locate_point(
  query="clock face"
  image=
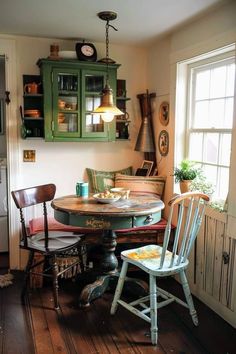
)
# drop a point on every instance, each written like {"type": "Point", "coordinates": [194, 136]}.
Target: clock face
{"type": "Point", "coordinates": [87, 50]}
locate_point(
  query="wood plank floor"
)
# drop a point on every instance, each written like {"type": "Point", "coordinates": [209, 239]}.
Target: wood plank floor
{"type": "Point", "coordinates": [37, 328]}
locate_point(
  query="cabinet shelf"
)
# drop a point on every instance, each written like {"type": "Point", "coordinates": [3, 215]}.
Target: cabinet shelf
{"type": "Point", "coordinates": [122, 121]}
{"type": "Point", "coordinates": [67, 93]}
{"type": "Point", "coordinates": [68, 111]}
{"type": "Point", "coordinates": [123, 98]}
{"type": "Point", "coordinates": [32, 95]}
{"type": "Point", "coordinates": [32, 127]}
{"type": "Point", "coordinates": [32, 118]}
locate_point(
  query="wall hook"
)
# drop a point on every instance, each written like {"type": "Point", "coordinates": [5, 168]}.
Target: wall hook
{"type": "Point", "coordinates": [7, 99]}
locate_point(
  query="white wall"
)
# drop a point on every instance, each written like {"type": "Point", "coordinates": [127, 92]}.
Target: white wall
{"type": "Point", "coordinates": [212, 31]}
{"type": "Point", "coordinates": [64, 163]}
{"type": "Point", "coordinates": [217, 29]}
{"type": "Point", "coordinates": [3, 144]}
{"type": "Point", "coordinates": [159, 82]}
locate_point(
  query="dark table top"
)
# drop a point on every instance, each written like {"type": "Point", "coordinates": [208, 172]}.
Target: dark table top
{"type": "Point", "coordinates": [137, 204]}
{"type": "Point", "coordinates": [138, 210]}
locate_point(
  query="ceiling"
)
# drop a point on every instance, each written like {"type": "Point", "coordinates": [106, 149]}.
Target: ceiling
{"type": "Point", "coordinates": [139, 22]}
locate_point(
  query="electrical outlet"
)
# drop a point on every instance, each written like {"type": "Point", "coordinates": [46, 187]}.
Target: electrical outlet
{"type": "Point", "coordinates": [29, 155]}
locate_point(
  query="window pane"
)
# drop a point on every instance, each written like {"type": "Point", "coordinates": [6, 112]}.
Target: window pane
{"type": "Point", "coordinates": [89, 104]}
{"type": "Point", "coordinates": [211, 173]}
{"type": "Point", "coordinates": [216, 113]}
{"type": "Point", "coordinates": [97, 119]}
{"type": "Point", "coordinates": [97, 102]}
{"type": "Point", "coordinates": [67, 82]}
{"type": "Point", "coordinates": [94, 83]}
{"type": "Point", "coordinates": [92, 102]}
{"type": "Point", "coordinates": [201, 114]}
{"type": "Point", "coordinates": [210, 119]}
{"type": "Point", "coordinates": [94, 123]}
{"type": "Point", "coordinates": [218, 79]}
{"type": "Point", "coordinates": [225, 149]}
{"type": "Point", "coordinates": [229, 109]}
{"type": "Point", "coordinates": [195, 139]}
{"type": "Point", "coordinates": [211, 148]}
{"type": "Point", "coordinates": [202, 84]}
{"type": "Point", "coordinates": [223, 182]}
{"type": "Point", "coordinates": [230, 80]}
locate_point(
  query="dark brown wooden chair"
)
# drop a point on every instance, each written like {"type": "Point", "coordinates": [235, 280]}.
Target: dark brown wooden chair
{"type": "Point", "coordinates": [49, 244]}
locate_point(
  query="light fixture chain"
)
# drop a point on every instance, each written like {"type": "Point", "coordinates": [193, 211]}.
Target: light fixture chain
{"type": "Point", "coordinates": [107, 40]}
{"type": "Point", "coordinates": [107, 50]}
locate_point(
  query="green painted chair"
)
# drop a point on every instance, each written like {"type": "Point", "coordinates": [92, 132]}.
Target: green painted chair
{"type": "Point", "coordinates": [160, 261]}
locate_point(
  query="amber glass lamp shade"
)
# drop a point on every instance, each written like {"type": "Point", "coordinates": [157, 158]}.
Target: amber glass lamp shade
{"type": "Point", "coordinates": [107, 109]}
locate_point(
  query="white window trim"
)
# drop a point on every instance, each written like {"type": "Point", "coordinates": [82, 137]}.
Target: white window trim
{"type": "Point", "coordinates": [181, 107]}
{"type": "Point", "coordinates": [8, 49]}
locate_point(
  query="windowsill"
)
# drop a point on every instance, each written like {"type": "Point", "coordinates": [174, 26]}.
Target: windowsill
{"type": "Point", "coordinates": [216, 214]}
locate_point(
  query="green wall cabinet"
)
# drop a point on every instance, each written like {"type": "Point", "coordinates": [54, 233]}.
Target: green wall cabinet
{"type": "Point", "coordinates": [72, 90]}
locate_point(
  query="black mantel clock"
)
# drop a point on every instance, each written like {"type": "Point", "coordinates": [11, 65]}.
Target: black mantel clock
{"type": "Point", "coordinates": [86, 51]}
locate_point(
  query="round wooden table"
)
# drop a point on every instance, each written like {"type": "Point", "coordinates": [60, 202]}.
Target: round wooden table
{"type": "Point", "coordinates": [138, 210]}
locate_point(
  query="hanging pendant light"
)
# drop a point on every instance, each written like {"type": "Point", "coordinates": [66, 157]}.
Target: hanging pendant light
{"type": "Point", "coordinates": [107, 109]}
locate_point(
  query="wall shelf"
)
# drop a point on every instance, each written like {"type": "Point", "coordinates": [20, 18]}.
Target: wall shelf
{"type": "Point", "coordinates": [122, 121]}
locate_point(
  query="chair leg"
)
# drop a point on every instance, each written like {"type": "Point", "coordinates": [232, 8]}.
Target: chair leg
{"type": "Point", "coordinates": [153, 308]}
{"type": "Point", "coordinates": [188, 297]}
{"type": "Point", "coordinates": [119, 287]}
{"type": "Point", "coordinates": [27, 274]}
{"type": "Point", "coordinates": [55, 282]}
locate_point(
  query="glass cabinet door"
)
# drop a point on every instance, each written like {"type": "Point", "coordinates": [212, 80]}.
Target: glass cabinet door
{"type": "Point", "coordinates": [92, 85]}
{"type": "Point", "coordinates": [66, 103]}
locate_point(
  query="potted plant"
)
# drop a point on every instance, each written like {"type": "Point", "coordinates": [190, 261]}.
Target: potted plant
{"type": "Point", "coordinates": [185, 174]}
{"type": "Point", "coordinates": [201, 184]}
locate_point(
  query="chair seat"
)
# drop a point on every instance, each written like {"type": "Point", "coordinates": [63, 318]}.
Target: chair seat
{"type": "Point", "coordinates": [57, 241]}
{"type": "Point", "coordinates": [148, 258]}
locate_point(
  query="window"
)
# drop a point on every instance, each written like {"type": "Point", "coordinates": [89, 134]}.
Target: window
{"type": "Point", "coordinates": [207, 131]}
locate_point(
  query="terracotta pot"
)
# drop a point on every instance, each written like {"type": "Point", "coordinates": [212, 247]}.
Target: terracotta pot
{"type": "Point", "coordinates": [184, 186]}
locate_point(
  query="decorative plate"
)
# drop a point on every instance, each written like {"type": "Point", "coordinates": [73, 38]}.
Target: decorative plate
{"type": "Point", "coordinates": [163, 143]}
{"type": "Point", "coordinates": [164, 113]}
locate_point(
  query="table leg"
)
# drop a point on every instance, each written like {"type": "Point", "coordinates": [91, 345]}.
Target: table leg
{"type": "Point", "coordinates": [109, 262]}
{"type": "Point", "coordinates": [108, 274]}
{"type": "Point", "coordinates": [108, 266]}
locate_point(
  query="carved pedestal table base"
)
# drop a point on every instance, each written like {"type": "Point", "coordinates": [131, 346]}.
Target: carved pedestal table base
{"type": "Point", "coordinates": [139, 210]}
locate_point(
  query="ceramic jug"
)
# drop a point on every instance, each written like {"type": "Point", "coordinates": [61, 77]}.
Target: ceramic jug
{"type": "Point", "coordinates": [31, 88]}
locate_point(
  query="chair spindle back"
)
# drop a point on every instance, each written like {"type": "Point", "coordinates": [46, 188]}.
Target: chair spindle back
{"type": "Point", "coordinates": [27, 197]}
{"type": "Point", "coordinates": [191, 208]}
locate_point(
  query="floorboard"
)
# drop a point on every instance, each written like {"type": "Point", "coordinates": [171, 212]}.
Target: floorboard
{"type": "Point", "coordinates": [38, 328]}
{"type": "Point", "coordinates": [15, 327]}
